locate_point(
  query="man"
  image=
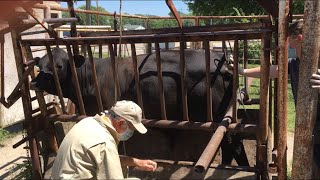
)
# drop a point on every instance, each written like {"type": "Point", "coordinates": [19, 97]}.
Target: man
{"type": "Point", "coordinates": [295, 41]}
{"type": "Point", "coordinates": [89, 150]}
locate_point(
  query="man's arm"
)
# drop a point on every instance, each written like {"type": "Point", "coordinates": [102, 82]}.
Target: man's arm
{"type": "Point", "coordinates": [146, 165]}
{"type": "Point", "coordinates": [255, 72]}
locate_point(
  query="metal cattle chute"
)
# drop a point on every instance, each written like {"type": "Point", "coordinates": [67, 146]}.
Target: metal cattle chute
{"type": "Point", "coordinates": [183, 149]}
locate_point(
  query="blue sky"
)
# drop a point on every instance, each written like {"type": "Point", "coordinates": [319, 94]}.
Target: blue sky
{"type": "Point", "coordinates": [152, 7]}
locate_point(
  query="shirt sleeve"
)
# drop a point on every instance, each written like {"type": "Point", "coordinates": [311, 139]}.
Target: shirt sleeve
{"type": "Point", "coordinates": [107, 161]}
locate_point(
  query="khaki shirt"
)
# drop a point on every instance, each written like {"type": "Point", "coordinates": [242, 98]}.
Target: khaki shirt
{"type": "Point", "coordinates": [89, 151]}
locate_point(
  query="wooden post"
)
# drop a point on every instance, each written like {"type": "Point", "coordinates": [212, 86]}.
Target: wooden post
{"type": "Point", "coordinates": [306, 110]}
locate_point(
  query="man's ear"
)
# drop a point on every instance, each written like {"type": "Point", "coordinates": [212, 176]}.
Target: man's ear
{"type": "Point", "coordinates": [79, 60]}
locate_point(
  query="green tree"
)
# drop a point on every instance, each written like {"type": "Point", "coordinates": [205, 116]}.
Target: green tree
{"type": "Point", "coordinates": [103, 20]}
{"type": "Point", "coordinates": [226, 7]}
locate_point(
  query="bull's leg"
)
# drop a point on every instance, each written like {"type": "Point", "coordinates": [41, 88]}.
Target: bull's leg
{"type": "Point", "coordinates": [232, 147]}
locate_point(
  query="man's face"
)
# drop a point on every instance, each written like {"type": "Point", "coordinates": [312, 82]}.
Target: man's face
{"type": "Point", "coordinates": [122, 125]}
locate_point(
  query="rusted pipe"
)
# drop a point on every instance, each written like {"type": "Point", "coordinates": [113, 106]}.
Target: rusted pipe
{"type": "Point", "coordinates": [306, 110]}
{"type": "Point", "coordinates": [56, 79]}
{"type": "Point", "coordinates": [214, 143]}
{"type": "Point", "coordinates": [160, 83]}
{"type": "Point", "coordinates": [95, 79]}
{"type": "Point", "coordinates": [183, 72]}
{"type": "Point", "coordinates": [262, 140]}
{"type": "Point", "coordinates": [174, 12]}
{"type": "Point", "coordinates": [208, 80]}
{"type": "Point", "coordinates": [76, 81]}
{"type": "Point", "coordinates": [136, 76]}
{"type": "Point", "coordinates": [282, 89]}
{"type": "Point", "coordinates": [235, 81]}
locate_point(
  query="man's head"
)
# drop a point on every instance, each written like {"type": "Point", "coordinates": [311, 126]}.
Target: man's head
{"type": "Point", "coordinates": [126, 117]}
{"type": "Point", "coordinates": [295, 36]}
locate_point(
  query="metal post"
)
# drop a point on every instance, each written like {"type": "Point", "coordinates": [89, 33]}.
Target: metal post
{"type": "Point", "coordinates": [262, 143]}
{"type": "Point", "coordinates": [88, 16]}
{"type": "Point", "coordinates": [184, 95]}
{"type": "Point", "coordinates": [73, 31]}
{"type": "Point", "coordinates": [208, 81]}
{"type": "Point", "coordinates": [26, 102]}
{"type": "Point", "coordinates": [306, 110]}
{"type": "Point", "coordinates": [160, 82]}
{"type": "Point", "coordinates": [283, 87]}
{"type": "Point", "coordinates": [235, 79]}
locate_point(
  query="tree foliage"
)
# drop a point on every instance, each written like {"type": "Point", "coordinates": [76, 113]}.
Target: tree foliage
{"type": "Point", "coordinates": [227, 7]}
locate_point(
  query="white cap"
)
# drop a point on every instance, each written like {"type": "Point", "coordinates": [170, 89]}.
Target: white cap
{"type": "Point", "coordinates": [131, 112]}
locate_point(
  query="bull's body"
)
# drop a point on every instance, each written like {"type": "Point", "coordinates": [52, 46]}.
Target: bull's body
{"type": "Point", "coordinates": [221, 83]}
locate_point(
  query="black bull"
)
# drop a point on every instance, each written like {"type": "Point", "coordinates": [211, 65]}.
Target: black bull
{"type": "Point", "coordinates": [221, 84]}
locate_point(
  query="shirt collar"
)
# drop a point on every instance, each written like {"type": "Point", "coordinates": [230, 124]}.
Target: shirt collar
{"type": "Point", "coordinates": [106, 122]}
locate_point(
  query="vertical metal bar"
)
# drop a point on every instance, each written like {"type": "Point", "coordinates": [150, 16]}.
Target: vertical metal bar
{"type": "Point", "coordinates": [26, 102]}
{"type": "Point", "coordinates": [149, 45]}
{"type": "Point", "coordinates": [306, 109]}
{"type": "Point", "coordinates": [76, 81]}
{"type": "Point", "coordinates": [95, 80]}
{"type": "Point", "coordinates": [275, 91]}
{"type": "Point", "coordinates": [115, 24]}
{"type": "Point", "coordinates": [264, 106]}
{"type": "Point", "coordinates": [43, 107]}
{"type": "Point", "coordinates": [56, 79]}
{"type": "Point", "coordinates": [160, 82]}
{"type": "Point", "coordinates": [184, 95]}
{"type": "Point", "coordinates": [100, 50]}
{"type": "Point", "coordinates": [196, 45]}
{"type": "Point", "coordinates": [283, 87]}
{"type": "Point", "coordinates": [235, 79]}
{"type": "Point", "coordinates": [166, 44]}
{"type": "Point", "coordinates": [2, 65]}
{"type": "Point", "coordinates": [208, 80]}
{"type": "Point", "coordinates": [73, 31]}
{"type": "Point", "coordinates": [114, 71]}
{"type": "Point", "coordinates": [245, 63]}
{"type": "Point", "coordinates": [136, 76]}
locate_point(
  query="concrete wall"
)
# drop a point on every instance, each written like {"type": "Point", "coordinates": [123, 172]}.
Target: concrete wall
{"type": "Point", "coordinates": [15, 113]}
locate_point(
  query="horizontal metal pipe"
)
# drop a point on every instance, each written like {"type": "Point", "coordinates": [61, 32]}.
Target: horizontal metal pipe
{"type": "Point", "coordinates": [51, 20]}
{"type": "Point", "coordinates": [190, 125]}
{"type": "Point", "coordinates": [58, 8]}
{"type": "Point", "coordinates": [217, 36]}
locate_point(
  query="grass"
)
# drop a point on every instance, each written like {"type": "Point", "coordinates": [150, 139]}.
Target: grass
{"type": "Point", "coordinates": [254, 92]}
{"type": "Point", "coordinates": [3, 135]}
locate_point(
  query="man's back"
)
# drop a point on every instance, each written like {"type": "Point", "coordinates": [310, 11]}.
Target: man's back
{"type": "Point", "coordinates": [83, 151]}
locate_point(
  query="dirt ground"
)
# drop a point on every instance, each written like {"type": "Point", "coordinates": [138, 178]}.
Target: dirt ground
{"type": "Point", "coordinates": [12, 160]}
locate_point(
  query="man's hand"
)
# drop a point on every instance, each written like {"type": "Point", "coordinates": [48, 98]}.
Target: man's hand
{"type": "Point", "coordinates": [230, 69]}
{"type": "Point", "coordinates": [315, 80]}
{"type": "Point", "coordinates": [145, 165]}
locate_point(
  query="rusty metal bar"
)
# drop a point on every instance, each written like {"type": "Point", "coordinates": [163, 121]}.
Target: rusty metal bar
{"type": "Point", "coordinates": [51, 20]}
{"type": "Point", "coordinates": [306, 109]}
{"type": "Point", "coordinates": [39, 19]}
{"type": "Point", "coordinates": [95, 80]}
{"type": "Point", "coordinates": [58, 8]}
{"type": "Point", "coordinates": [183, 72]}
{"type": "Point", "coordinates": [214, 143]}
{"type": "Point", "coordinates": [174, 12]}
{"type": "Point", "coordinates": [208, 80]}
{"type": "Point", "coordinates": [2, 66]}
{"type": "Point", "coordinates": [73, 26]}
{"type": "Point", "coordinates": [113, 61]}
{"type": "Point", "coordinates": [76, 81]}
{"type": "Point", "coordinates": [249, 129]}
{"type": "Point", "coordinates": [160, 82]}
{"type": "Point", "coordinates": [42, 108]}
{"type": "Point", "coordinates": [283, 87]}
{"type": "Point", "coordinates": [100, 50]}
{"type": "Point", "coordinates": [235, 81]}
{"type": "Point", "coordinates": [56, 78]}
{"type": "Point", "coordinates": [149, 45]}
{"type": "Point", "coordinates": [262, 140]}
{"type": "Point", "coordinates": [216, 36]}
{"type": "Point", "coordinates": [192, 29]}
{"type": "Point", "coordinates": [245, 63]}
{"type": "Point", "coordinates": [27, 108]}
{"type": "Point", "coordinates": [136, 76]}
